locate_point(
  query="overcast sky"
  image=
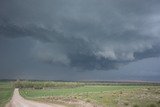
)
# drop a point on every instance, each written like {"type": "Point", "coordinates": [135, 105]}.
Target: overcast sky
{"type": "Point", "coordinates": [80, 39]}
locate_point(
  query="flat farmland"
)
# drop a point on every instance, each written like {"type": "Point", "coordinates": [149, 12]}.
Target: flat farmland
{"type": "Point", "coordinates": [97, 95]}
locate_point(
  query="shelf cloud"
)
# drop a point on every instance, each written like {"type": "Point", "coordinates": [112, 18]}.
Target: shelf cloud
{"type": "Point", "coordinates": [84, 35]}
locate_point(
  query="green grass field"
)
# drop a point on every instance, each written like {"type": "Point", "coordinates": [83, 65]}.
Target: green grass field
{"type": "Point", "coordinates": [6, 89]}
{"type": "Point", "coordinates": [70, 93]}
{"type": "Point", "coordinates": [106, 96]}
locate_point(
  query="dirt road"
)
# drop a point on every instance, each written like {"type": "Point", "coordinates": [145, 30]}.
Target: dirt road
{"type": "Point", "coordinates": [18, 101]}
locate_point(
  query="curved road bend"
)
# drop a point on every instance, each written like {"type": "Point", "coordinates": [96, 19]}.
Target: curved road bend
{"type": "Point", "coordinates": [18, 101]}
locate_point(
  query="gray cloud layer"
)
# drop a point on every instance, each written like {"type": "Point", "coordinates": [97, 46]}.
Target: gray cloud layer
{"type": "Point", "coordinates": [85, 35]}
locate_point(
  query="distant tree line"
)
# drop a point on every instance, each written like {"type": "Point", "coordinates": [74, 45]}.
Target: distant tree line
{"type": "Point", "coordinates": [49, 84]}
{"type": "Point", "coordinates": [117, 83]}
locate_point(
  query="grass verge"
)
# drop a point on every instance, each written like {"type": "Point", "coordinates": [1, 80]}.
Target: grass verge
{"type": "Point", "coordinates": [6, 90]}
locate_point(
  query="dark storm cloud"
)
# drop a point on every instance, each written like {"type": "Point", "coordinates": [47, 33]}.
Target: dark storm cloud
{"type": "Point", "coordinates": [153, 52]}
{"type": "Point", "coordinates": [85, 35]}
{"type": "Point", "coordinates": [12, 30]}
